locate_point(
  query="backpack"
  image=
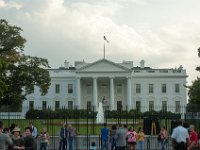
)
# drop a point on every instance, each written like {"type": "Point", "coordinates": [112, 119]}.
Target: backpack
{"type": "Point", "coordinates": [131, 137]}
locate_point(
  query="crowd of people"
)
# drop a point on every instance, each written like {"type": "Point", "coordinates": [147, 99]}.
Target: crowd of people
{"type": "Point", "coordinates": [118, 137]}
{"type": "Point", "coordinates": [12, 138]}
{"type": "Point", "coordinates": [122, 138]}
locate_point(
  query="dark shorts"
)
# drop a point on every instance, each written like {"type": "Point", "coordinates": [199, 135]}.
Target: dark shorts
{"type": "Point", "coordinates": [121, 148]}
{"type": "Point", "coordinates": [181, 146]}
{"type": "Point", "coordinates": [131, 143]}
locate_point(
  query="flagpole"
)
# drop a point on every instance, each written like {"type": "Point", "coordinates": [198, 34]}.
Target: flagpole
{"type": "Point", "coordinates": [104, 51]}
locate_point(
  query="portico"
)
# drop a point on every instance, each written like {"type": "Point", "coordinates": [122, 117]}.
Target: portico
{"type": "Point", "coordinates": [111, 88]}
{"type": "Point", "coordinates": [108, 90]}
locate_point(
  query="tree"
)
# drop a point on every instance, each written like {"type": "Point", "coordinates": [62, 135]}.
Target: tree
{"type": "Point", "coordinates": [23, 72]}
{"type": "Point", "coordinates": [194, 90]}
{"type": "Point", "coordinates": [3, 86]}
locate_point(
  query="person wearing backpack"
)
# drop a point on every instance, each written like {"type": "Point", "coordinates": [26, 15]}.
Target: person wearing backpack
{"type": "Point", "coordinates": [131, 137]}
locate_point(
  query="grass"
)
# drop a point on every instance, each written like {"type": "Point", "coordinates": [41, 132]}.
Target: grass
{"type": "Point", "coordinates": [83, 126]}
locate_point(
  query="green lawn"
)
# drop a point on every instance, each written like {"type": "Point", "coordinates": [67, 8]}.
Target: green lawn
{"type": "Point", "coordinates": [83, 126]}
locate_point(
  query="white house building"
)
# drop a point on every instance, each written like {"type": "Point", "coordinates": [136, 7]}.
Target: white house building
{"type": "Point", "coordinates": [116, 85]}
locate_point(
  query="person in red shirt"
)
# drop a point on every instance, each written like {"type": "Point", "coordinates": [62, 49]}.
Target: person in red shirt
{"type": "Point", "coordinates": [193, 138]}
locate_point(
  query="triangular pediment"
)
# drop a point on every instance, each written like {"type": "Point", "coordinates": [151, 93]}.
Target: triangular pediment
{"type": "Point", "coordinates": [103, 65]}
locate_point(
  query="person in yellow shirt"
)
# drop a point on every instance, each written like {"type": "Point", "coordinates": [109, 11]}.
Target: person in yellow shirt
{"type": "Point", "coordinates": [140, 137]}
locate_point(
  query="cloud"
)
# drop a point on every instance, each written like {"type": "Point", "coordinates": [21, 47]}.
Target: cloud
{"type": "Point", "coordinates": [10, 4]}
{"type": "Point", "coordinates": [59, 30]}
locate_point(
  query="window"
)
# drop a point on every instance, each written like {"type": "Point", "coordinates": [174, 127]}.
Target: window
{"type": "Point", "coordinates": [177, 88]}
{"type": "Point", "coordinates": [150, 88]}
{"type": "Point", "coordinates": [70, 88]}
{"type": "Point", "coordinates": [70, 104]}
{"type": "Point", "coordinates": [164, 88]}
{"type": "Point", "coordinates": [57, 104]}
{"type": "Point", "coordinates": [44, 105]}
{"type": "Point", "coordinates": [138, 88]}
{"type": "Point", "coordinates": [57, 88]}
{"type": "Point", "coordinates": [177, 107]}
{"type": "Point", "coordinates": [31, 105]}
{"type": "Point", "coordinates": [104, 88]}
{"type": "Point", "coordinates": [119, 88]}
{"type": "Point", "coordinates": [138, 106]}
{"type": "Point", "coordinates": [89, 89]}
{"type": "Point", "coordinates": [164, 106]}
{"type": "Point", "coordinates": [119, 105]}
{"type": "Point", "coordinates": [151, 105]}
{"type": "Point", "coordinates": [89, 105]}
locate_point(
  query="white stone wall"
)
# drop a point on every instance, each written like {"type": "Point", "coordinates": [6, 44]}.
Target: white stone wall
{"type": "Point", "coordinates": [102, 70]}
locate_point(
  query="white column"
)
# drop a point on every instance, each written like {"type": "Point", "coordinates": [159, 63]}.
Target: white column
{"type": "Point", "coordinates": [112, 96]}
{"type": "Point", "coordinates": [78, 102]}
{"type": "Point", "coordinates": [95, 93]}
{"type": "Point", "coordinates": [129, 104]}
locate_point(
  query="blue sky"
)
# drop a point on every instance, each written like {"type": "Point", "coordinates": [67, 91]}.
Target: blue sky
{"type": "Point", "coordinates": [165, 33]}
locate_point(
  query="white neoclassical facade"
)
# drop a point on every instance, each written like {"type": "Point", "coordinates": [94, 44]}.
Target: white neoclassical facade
{"type": "Point", "coordinates": [116, 85]}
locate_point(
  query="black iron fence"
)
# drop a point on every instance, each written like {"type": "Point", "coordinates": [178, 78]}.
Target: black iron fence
{"type": "Point", "coordinates": [84, 121]}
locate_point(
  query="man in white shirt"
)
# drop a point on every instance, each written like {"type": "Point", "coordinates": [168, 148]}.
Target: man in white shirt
{"type": "Point", "coordinates": [180, 137]}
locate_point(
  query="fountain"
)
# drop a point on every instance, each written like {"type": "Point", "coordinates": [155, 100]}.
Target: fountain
{"type": "Point", "coordinates": [100, 114]}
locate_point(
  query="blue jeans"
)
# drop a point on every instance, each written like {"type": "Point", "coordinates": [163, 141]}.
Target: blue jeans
{"type": "Point", "coordinates": [71, 143]}
{"type": "Point", "coordinates": [63, 144]}
{"type": "Point", "coordinates": [163, 145]}
{"type": "Point", "coordinates": [104, 145]}
{"type": "Point", "coordinates": [113, 143]}
{"type": "Point", "coordinates": [43, 146]}
{"type": "Point", "coordinates": [141, 145]}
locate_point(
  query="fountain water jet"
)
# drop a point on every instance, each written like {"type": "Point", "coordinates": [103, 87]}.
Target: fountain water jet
{"type": "Point", "coordinates": [100, 114]}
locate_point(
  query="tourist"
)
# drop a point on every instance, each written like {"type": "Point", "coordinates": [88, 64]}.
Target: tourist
{"type": "Point", "coordinates": [180, 137]}
{"type": "Point", "coordinates": [121, 138]}
{"type": "Point", "coordinates": [63, 137]}
{"type": "Point", "coordinates": [13, 125]}
{"type": "Point", "coordinates": [71, 136]}
{"type": "Point", "coordinates": [104, 137]}
{"type": "Point", "coordinates": [5, 139]}
{"type": "Point", "coordinates": [44, 139]}
{"type": "Point", "coordinates": [29, 141]}
{"type": "Point", "coordinates": [34, 130]}
{"type": "Point", "coordinates": [193, 137]}
{"type": "Point", "coordinates": [199, 135]}
{"type": "Point", "coordinates": [163, 137]}
{"type": "Point", "coordinates": [140, 137]}
{"type": "Point", "coordinates": [18, 142]}
{"type": "Point", "coordinates": [131, 137]}
{"type": "Point", "coordinates": [112, 137]}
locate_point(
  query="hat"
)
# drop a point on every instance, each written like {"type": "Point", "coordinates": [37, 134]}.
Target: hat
{"type": "Point", "coordinates": [16, 129]}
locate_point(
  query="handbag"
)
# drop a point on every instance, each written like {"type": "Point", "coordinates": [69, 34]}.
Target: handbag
{"type": "Point", "coordinates": [159, 137]}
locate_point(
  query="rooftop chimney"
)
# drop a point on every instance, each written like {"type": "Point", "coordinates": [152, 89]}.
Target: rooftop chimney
{"type": "Point", "coordinates": [142, 63]}
{"type": "Point", "coordinates": [66, 64]}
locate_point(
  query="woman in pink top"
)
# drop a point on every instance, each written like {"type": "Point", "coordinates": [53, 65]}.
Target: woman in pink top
{"type": "Point", "coordinates": [163, 134]}
{"type": "Point", "coordinates": [131, 139]}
